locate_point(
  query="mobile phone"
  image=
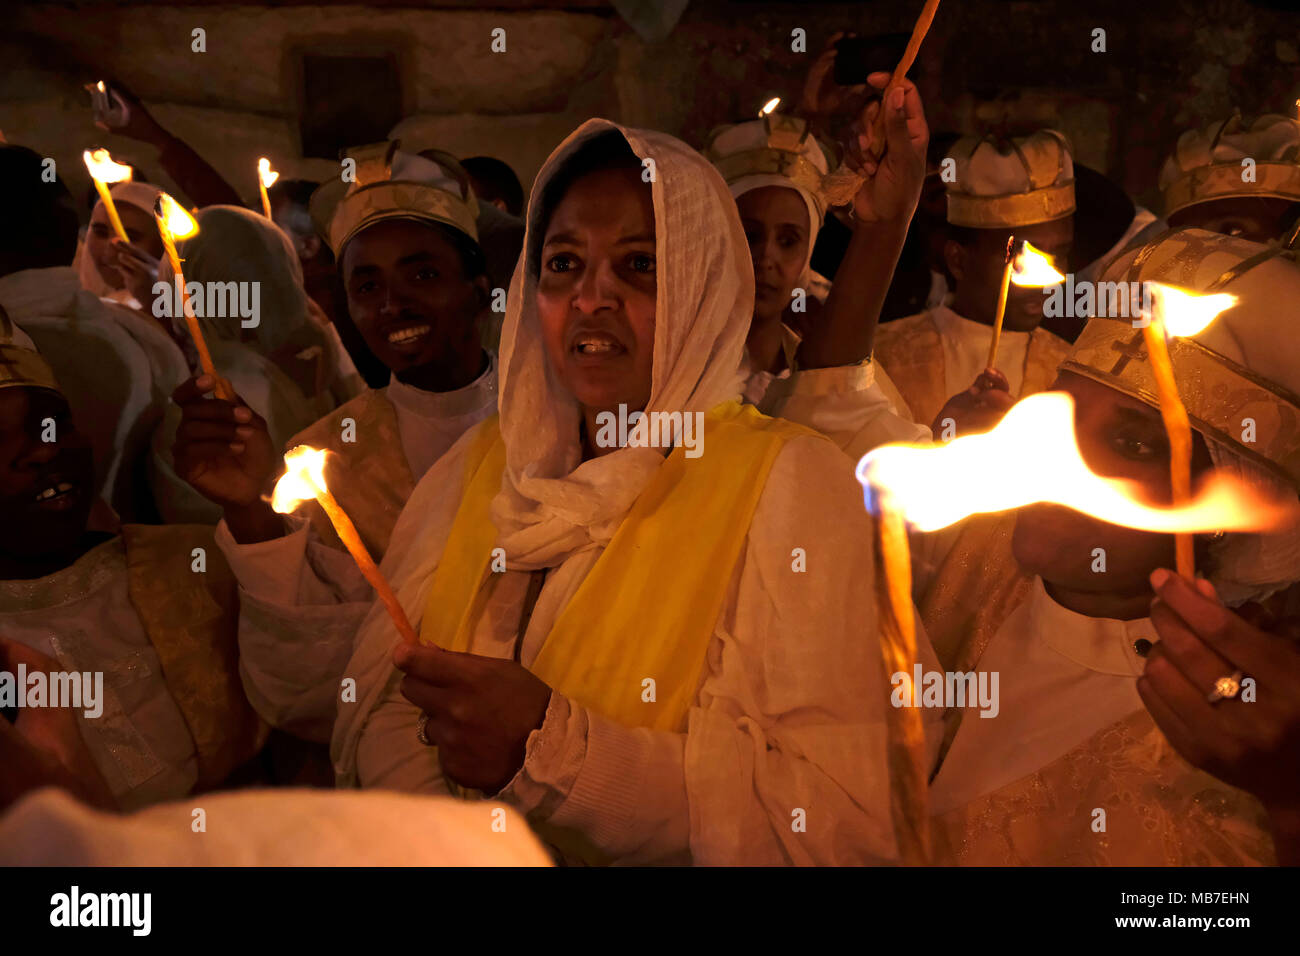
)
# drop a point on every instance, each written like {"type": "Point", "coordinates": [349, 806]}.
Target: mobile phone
{"type": "Point", "coordinates": [856, 58]}
{"type": "Point", "coordinates": [111, 111]}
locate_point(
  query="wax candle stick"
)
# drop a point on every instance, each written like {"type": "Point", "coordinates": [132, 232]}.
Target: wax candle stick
{"type": "Point", "coordinates": [1179, 430]}
{"type": "Point", "coordinates": [304, 479]}
{"type": "Point", "coordinates": [266, 178]}
{"type": "Point", "coordinates": [103, 171]}
{"type": "Point", "coordinates": [908, 771]}
{"type": "Point", "coordinates": [175, 223]}
{"type": "Point", "coordinates": [1002, 304]}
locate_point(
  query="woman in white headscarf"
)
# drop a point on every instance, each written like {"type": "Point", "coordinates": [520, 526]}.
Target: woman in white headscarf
{"type": "Point", "coordinates": [808, 351]}
{"type": "Point", "coordinates": [256, 318]}
{"type": "Point", "coordinates": [656, 659]}
{"type": "Point", "coordinates": [111, 269]}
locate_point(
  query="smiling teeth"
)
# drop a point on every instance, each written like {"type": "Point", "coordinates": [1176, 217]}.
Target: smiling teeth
{"type": "Point", "coordinates": [406, 335]}
{"type": "Point", "coordinates": [61, 488]}
{"type": "Point", "coordinates": [596, 345]}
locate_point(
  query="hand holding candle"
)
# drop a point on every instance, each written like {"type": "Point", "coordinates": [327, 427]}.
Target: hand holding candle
{"type": "Point", "coordinates": [304, 479]}
{"type": "Point", "coordinates": [266, 178]}
{"type": "Point", "coordinates": [104, 171]}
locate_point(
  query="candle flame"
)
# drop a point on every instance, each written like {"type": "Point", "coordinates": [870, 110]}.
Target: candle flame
{"type": "Point", "coordinates": [304, 476]}
{"type": "Point", "coordinates": [100, 86]}
{"type": "Point", "coordinates": [174, 218]}
{"type": "Point", "coordinates": [1033, 267]}
{"type": "Point", "coordinates": [1033, 457]}
{"type": "Point", "coordinates": [1186, 313]}
{"type": "Point", "coordinates": [770, 105]}
{"type": "Point", "coordinates": [101, 167]}
{"type": "Point", "coordinates": [269, 176]}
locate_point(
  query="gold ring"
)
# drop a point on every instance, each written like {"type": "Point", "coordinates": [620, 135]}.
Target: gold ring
{"type": "Point", "coordinates": [1225, 688]}
{"type": "Point", "coordinates": [421, 728]}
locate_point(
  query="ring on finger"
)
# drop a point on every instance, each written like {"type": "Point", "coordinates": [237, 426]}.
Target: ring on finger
{"type": "Point", "coordinates": [1225, 688]}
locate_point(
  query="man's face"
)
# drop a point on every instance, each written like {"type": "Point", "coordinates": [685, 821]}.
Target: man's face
{"type": "Point", "coordinates": [977, 268]}
{"type": "Point", "coordinates": [410, 299]}
{"type": "Point", "coordinates": [596, 290]}
{"type": "Point", "coordinates": [140, 229]}
{"type": "Point", "coordinates": [1119, 437]}
{"type": "Point", "coordinates": [1258, 219]}
{"type": "Point", "coordinates": [46, 487]}
{"type": "Point", "coordinates": [776, 224]}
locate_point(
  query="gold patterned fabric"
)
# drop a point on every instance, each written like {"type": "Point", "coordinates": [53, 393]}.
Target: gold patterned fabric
{"type": "Point", "coordinates": [1239, 376]}
{"type": "Point", "coordinates": [1159, 810]}
{"type": "Point", "coordinates": [370, 477]}
{"type": "Point", "coordinates": [1209, 163]}
{"type": "Point", "coordinates": [910, 351]}
{"type": "Point", "coordinates": [191, 618]}
{"type": "Point", "coordinates": [20, 363]}
{"type": "Point", "coordinates": [1005, 183]}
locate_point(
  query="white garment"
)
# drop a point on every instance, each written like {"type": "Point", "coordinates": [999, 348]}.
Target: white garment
{"type": "Point", "coordinates": [1062, 677]}
{"type": "Point", "coordinates": [103, 369]}
{"type": "Point", "coordinates": [270, 828]}
{"type": "Point", "coordinates": [966, 351]}
{"type": "Point", "coordinates": [82, 617]}
{"type": "Point", "coordinates": [429, 423]}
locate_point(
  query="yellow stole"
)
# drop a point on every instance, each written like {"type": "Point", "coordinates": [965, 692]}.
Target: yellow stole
{"type": "Point", "coordinates": [190, 618]}
{"type": "Point", "coordinates": [378, 479]}
{"type": "Point", "coordinates": [1160, 810]}
{"type": "Point", "coordinates": [649, 605]}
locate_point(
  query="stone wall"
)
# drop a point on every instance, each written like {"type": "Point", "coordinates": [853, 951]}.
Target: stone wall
{"type": "Point", "coordinates": [1168, 65]}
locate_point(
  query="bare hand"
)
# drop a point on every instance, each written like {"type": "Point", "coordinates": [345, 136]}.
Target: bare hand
{"type": "Point", "coordinates": [43, 747]}
{"type": "Point", "coordinates": [978, 409]}
{"type": "Point", "coordinates": [139, 270]}
{"type": "Point", "coordinates": [223, 449]}
{"type": "Point", "coordinates": [892, 187]}
{"type": "Point", "coordinates": [822, 96]}
{"type": "Point", "coordinates": [139, 125]}
{"type": "Point", "coordinates": [1253, 745]}
{"type": "Point", "coordinates": [481, 711]}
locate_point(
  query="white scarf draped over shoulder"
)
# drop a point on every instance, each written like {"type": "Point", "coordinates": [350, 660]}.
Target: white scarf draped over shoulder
{"type": "Point", "coordinates": [553, 505]}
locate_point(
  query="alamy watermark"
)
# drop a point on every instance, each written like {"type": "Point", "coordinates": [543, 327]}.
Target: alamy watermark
{"type": "Point", "coordinates": [651, 430]}
{"type": "Point", "coordinates": [946, 689]}
{"type": "Point", "coordinates": [210, 300]}
{"type": "Point", "coordinates": [1107, 300]}
{"type": "Point", "coordinates": [83, 689]}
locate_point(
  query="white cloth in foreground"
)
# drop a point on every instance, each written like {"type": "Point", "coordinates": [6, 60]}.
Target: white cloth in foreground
{"type": "Point", "coordinates": [1062, 677]}
{"type": "Point", "coordinates": [270, 828]}
{"type": "Point", "coordinates": [83, 618]}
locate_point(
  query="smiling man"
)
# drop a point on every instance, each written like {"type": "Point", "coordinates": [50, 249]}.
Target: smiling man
{"type": "Point", "coordinates": [404, 236]}
{"type": "Point", "coordinates": [1023, 187]}
{"type": "Point", "coordinates": [149, 610]}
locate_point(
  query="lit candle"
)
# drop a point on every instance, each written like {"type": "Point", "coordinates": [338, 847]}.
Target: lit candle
{"type": "Point", "coordinates": [175, 223]}
{"type": "Point", "coordinates": [898, 646]}
{"type": "Point", "coordinates": [304, 479]}
{"type": "Point", "coordinates": [1177, 312]}
{"type": "Point", "coordinates": [769, 106]}
{"type": "Point", "coordinates": [1030, 268]}
{"type": "Point", "coordinates": [266, 178]}
{"type": "Point", "coordinates": [103, 171]}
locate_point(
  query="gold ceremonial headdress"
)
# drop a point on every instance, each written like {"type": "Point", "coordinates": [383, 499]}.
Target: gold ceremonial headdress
{"type": "Point", "coordinates": [1005, 183]}
{"type": "Point", "coordinates": [1209, 163]}
{"type": "Point", "coordinates": [767, 151]}
{"type": "Point", "coordinates": [1240, 376]}
{"type": "Point", "coordinates": [394, 185]}
{"type": "Point", "coordinates": [20, 363]}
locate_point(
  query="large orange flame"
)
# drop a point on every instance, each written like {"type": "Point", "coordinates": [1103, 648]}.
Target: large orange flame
{"type": "Point", "coordinates": [305, 475]}
{"type": "Point", "coordinates": [1034, 268]}
{"type": "Point", "coordinates": [1032, 457]}
{"type": "Point", "coordinates": [101, 167]}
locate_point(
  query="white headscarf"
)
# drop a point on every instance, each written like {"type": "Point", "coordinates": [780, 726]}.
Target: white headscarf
{"type": "Point", "coordinates": [753, 135]}
{"type": "Point", "coordinates": [551, 503]}
{"type": "Point", "coordinates": [142, 196]}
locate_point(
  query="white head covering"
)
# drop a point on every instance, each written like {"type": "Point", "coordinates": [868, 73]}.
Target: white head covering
{"type": "Point", "coordinates": [142, 196]}
{"type": "Point", "coordinates": [744, 151]}
{"type": "Point", "coordinates": [551, 503]}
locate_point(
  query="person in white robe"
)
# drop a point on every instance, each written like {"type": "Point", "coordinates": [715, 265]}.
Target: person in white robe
{"type": "Point", "coordinates": [729, 785]}
{"type": "Point", "coordinates": [122, 273]}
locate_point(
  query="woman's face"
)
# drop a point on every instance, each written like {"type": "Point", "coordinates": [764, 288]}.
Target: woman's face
{"type": "Point", "coordinates": [140, 228]}
{"type": "Point", "coordinates": [597, 288]}
{"type": "Point", "coordinates": [1119, 437]}
{"type": "Point", "coordinates": [776, 224]}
